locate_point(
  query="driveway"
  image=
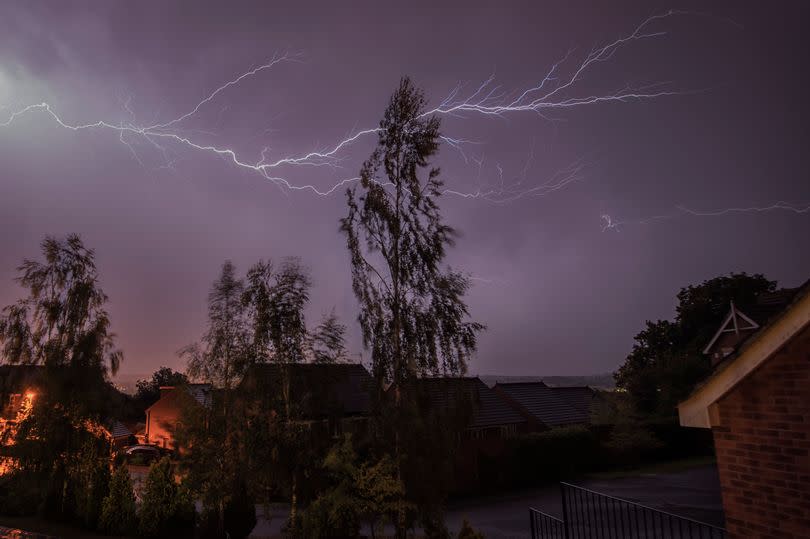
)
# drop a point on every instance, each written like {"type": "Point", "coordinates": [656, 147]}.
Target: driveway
{"type": "Point", "coordinates": [693, 493]}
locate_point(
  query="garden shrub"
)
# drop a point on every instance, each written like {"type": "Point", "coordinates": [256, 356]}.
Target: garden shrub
{"type": "Point", "coordinates": [167, 509]}
{"type": "Point", "coordinates": [118, 511]}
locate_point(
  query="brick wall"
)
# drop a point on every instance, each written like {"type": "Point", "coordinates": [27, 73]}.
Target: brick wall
{"type": "Point", "coordinates": [763, 448]}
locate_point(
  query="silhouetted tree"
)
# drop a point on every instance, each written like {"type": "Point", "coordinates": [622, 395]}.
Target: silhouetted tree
{"type": "Point", "coordinates": [225, 351]}
{"type": "Point", "coordinates": [412, 312]}
{"type": "Point", "coordinates": [276, 298]}
{"type": "Point", "coordinates": [212, 436]}
{"type": "Point", "coordinates": [148, 391]}
{"type": "Point", "coordinates": [328, 340]}
{"type": "Point", "coordinates": [62, 325]}
{"type": "Point", "coordinates": [667, 360]}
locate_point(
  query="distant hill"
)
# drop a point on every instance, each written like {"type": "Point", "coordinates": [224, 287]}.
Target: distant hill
{"type": "Point", "coordinates": [596, 381]}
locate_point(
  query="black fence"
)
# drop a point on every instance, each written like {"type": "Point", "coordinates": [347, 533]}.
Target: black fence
{"type": "Point", "coordinates": [592, 515]}
{"type": "Point", "coordinates": [545, 526]}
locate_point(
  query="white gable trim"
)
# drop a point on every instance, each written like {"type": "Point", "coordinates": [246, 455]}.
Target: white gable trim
{"type": "Point", "coordinates": [698, 410]}
{"type": "Point", "coordinates": [732, 314]}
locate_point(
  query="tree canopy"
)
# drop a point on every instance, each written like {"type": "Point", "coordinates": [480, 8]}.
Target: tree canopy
{"type": "Point", "coordinates": [62, 326]}
{"type": "Point", "coordinates": [148, 391]}
{"type": "Point", "coordinates": [667, 361]}
{"type": "Point", "coordinates": [412, 313]}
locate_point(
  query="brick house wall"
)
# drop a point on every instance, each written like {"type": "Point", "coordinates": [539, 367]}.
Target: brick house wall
{"type": "Point", "coordinates": [162, 418]}
{"type": "Point", "coordinates": [763, 447]}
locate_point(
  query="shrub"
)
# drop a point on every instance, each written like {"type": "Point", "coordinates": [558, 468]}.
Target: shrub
{"type": "Point", "coordinates": [554, 454]}
{"type": "Point", "coordinates": [118, 512]}
{"type": "Point", "coordinates": [332, 515]}
{"type": "Point", "coordinates": [90, 485]}
{"type": "Point", "coordinates": [167, 509]}
{"type": "Point", "coordinates": [632, 444]}
{"type": "Point", "coordinates": [20, 494]}
{"type": "Point", "coordinates": [468, 532]}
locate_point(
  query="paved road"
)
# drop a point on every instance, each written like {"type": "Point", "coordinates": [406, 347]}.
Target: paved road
{"type": "Point", "coordinates": [692, 493]}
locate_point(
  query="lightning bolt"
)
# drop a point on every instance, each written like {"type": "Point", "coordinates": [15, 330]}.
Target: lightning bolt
{"type": "Point", "coordinates": [610, 224]}
{"type": "Point", "coordinates": [559, 90]}
{"type": "Point", "coordinates": [780, 205]}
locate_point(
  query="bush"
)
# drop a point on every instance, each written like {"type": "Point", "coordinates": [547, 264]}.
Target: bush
{"type": "Point", "coordinates": [20, 494]}
{"type": "Point", "coordinates": [332, 515]}
{"type": "Point", "coordinates": [167, 509]}
{"type": "Point", "coordinates": [554, 454]}
{"type": "Point", "coordinates": [632, 444]}
{"type": "Point", "coordinates": [118, 513]}
{"type": "Point", "coordinates": [90, 485]}
{"type": "Point", "coordinates": [468, 532]}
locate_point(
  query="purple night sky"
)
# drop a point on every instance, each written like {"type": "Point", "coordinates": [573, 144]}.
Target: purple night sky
{"type": "Point", "coordinates": [560, 293]}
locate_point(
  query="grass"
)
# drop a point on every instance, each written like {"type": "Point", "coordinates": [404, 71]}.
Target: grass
{"type": "Point", "coordinates": [672, 466]}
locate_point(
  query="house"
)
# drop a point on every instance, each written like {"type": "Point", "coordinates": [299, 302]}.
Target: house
{"type": "Point", "coordinates": [757, 405]}
{"type": "Point", "coordinates": [545, 407]}
{"type": "Point", "coordinates": [489, 415]}
{"type": "Point", "coordinates": [485, 421]}
{"type": "Point", "coordinates": [333, 395]}
{"type": "Point", "coordinates": [17, 381]}
{"type": "Point", "coordinates": [19, 385]}
{"type": "Point", "coordinates": [739, 325]}
{"type": "Point", "coordinates": [164, 415]}
{"type": "Point", "coordinates": [122, 434]}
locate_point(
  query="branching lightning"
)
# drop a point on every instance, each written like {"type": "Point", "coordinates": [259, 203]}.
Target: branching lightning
{"type": "Point", "coordinates": [780, 205]}
{"type": "Point", "coordinates": [556, 92]}
{"type": "Point", "coordinates": [610, 224]}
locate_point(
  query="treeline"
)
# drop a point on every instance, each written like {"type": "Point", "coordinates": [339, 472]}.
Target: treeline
{"type": "Point", "coordinates": [239, 449]}
{"type": "Point", "coordinates": [667, 360]}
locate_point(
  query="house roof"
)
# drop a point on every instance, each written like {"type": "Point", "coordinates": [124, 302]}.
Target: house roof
{"type": "Point", "coordinates": [746, 321]}
{"type": "Point", "coordinates": [751, 353]}
{"type": "Point", "coordinates": [119, 430]}
{"type": "Point", "coordinates": [579, 397]}
{"type": "Point", "coordinates": [547, 405]}
{"type": "Point", "coordinates": [318, 389]}
{"type": "Point", "coordinates": [489, 408]}
{"type": "Point", "coordinates": [202, 393]}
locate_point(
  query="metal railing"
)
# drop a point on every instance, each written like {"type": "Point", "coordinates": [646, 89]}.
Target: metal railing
{"type": "Point", "coordinates": [545, 526]}
{"type": "Point", "coordinates": [593, 515]}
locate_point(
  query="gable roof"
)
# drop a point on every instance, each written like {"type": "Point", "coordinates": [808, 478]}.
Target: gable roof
{"type": "Point", "coordinates": [489, 409]}
{"type": "Point", "coordinates": [545, 404]}
{"type": "Point", "coordinates": [743, 324]}
{"type": "Point", "coordinates": [202, 393]}
{"type": "Point", "coordinates": [318, 389]}
{"type": "Point", "coordinates": [118, 429]}
{"type": "Point", "coordinates": [749, 355]}
{"type": "Point", "coordinates": [579, 397]}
